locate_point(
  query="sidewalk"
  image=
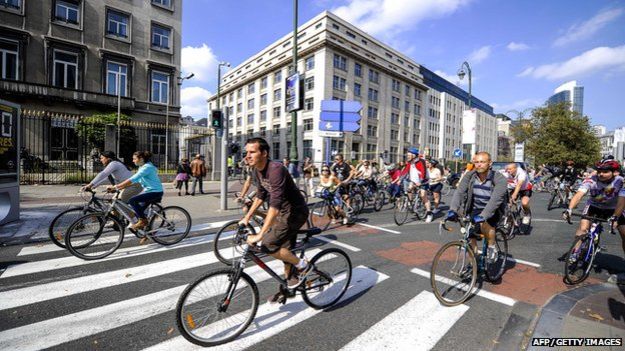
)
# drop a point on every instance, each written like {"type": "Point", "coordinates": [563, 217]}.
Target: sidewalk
{"type": "Point", "coordinates": [592, 311]}
{"type": "Point", "coordinates": [39, 204]}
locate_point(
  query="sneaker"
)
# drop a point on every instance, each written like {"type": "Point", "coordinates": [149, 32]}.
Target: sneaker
{"type": "Point", "coordinates": [526, 220]}
{"type": "Point", "coordinates": [300, 278]}
{"type": "Point", "coordinates": [436, 211]}
{"type": "Point", "coordinates": [345, 220]}
{"type": "Point", "coordinates": [429, 218]}
{"type": "Point", "coordinates": [492, 254]}
{"type": "Point", "coordinates": [140, 224]}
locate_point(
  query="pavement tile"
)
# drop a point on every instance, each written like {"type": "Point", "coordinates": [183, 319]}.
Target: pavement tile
{"type": "Point", "coordinates": [560, 304]}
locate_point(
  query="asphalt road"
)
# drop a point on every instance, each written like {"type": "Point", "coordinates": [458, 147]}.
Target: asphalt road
{"type": "Point", "coordinates": [50, 299]}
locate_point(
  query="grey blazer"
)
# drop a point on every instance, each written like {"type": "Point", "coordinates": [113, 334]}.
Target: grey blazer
{"type": "Point", "coordinates": [464, 194]}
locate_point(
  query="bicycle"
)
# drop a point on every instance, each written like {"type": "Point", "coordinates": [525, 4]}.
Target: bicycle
{"type": "Point", "coordinates": [404, 205]}
{"type": "Point", "coordinates": [356, 197]}
{"type": "Point", "coordinates": [97, 235]}
{"type": "Point", "coordinates": [512, 220]}
{"type": "Point", "coordinates": [219, 305]}
{"type": "Point", "coordinates": [61, 223]}
{"type": "Point", "coordinates": [377, 198]}
{"type": "Point", "coordinates": [558, 197]}
{"type": "Point", "coordinates": [581, 255]}
{"type": "Point", "coordinates": [455, 267]}
{"type": "Point", "coordinates": [324, 211]}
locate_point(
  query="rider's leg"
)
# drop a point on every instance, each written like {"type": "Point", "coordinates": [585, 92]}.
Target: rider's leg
{"type": "Point", "coordinates": [437, 200]}
{"type": "Point", "coordinates": [424, 197]}
{"type": "Point", "coordinates": [525, 203]}
{"type": "Point", "coordinates": [489, 232]}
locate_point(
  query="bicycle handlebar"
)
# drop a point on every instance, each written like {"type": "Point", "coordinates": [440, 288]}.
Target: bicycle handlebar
{"type": "Point", "coordinates": [593, 219]}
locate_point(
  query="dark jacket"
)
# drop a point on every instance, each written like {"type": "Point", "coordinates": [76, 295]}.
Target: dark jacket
{"type": "Point", "coordinates": [183, 169]}
{"type": "Point", "coordinates": [464, 194]}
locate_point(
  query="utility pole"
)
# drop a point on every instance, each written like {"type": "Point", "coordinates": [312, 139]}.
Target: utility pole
{"type": "Point", "coordinates": [224, 143]}
{"type": "Point", "coordinates": [293, 155]}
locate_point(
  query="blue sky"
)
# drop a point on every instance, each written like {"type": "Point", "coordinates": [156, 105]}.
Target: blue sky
{"type": "Point", "coordinates": [520, 51]}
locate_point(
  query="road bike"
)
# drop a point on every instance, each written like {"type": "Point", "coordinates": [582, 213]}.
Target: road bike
{"type": "Point", "coordinates": [324, 212]}
{"type": "Point", "coordinates": [558, 197]}
{"type": "Point", "coordinates": [512, 220]}
{"type": "Point", "coordinates": [456, 265]}
{"type": "Point", "coordinates": [61, 223]}
{"type": "Point", "coordinates": [581, 255]}
{"type": "Point", "coordinates": [406, 204]}
{"type": "Point", "coordinates": [98, 234]}
{"type": "Point", "coordinates": [219, 305]}
{"type": "Point", "coordinates": [377, 198]}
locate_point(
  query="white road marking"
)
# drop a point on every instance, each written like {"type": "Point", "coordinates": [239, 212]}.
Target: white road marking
{"type": "Point", "coordinates": [417, 325]}
{"type": "Point", "coordinates": [379, 228]}
{"type": "Point", "coordinates": [337, 243]}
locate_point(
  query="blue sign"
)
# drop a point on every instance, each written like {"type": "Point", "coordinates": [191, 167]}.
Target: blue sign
{"type": "Point", "coordinates": [328, 116]}
{"type": "Point", "coordinates": [336, 126]}
{"type": "Point", "coordinates": [340, 106]}
{"type": "Point", "coordinates": [457, 153]}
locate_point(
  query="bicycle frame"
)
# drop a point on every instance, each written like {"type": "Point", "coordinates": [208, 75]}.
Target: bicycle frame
{"type": "Point", "coordinates": [467, 227]}
{"type": "Point", "coordinates": [124, 209]}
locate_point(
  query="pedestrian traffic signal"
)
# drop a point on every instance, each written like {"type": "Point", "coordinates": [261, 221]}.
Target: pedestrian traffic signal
{"type": "Point", "coordinates": [217, 119]}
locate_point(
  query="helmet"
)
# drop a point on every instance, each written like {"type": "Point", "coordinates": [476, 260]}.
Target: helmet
{"type": "Point", "coordinates": [607, 165]}
{"type": "Point", "coordinates": [414, 151]}
{"type": "Point", "coordinates": [433, 162]}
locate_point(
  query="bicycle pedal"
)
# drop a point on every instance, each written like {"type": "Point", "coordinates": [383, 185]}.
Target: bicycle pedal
{"type": "Point", "coordinates": [602, 249]}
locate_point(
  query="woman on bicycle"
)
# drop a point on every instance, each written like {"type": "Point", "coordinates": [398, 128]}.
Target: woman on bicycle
{"type": "Point", "coordinates": [329, 182]}
{"type": "Point", "coordinates": [147, 176]}
{"type": "Point", "coordinates": [115, 172]}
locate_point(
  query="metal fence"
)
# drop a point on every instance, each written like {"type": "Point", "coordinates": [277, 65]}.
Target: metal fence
{"type": "Point", "coordinates": [60, 148]}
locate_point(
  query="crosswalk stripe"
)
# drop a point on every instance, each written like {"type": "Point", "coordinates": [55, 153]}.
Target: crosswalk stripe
{"type": "Point", "coordinates": [417, 325]}
{"type": "Point", "coordinates": [379, 228]}
{"type": "Point", "coordinates": [337, 243]}
{"type": "Point", "coordinates": [77, 325]}
{"type": "Point", "coordinates": [480, 292]}
{"type": "Point", "coordinates": [273, 319]}
{"type": "Point", "coordinates": [43, 292]}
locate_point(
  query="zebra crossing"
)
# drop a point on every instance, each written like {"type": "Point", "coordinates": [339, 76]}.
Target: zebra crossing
{"type": "Point", "coordinates": [53, 299]}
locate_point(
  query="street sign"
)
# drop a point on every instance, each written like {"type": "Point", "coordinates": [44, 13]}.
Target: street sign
{"type": "Point", "coordinates": [330, 116]}
{"type": "Point", "coordinates": [336, 126]}
{"type": "Point", "coordinates": [519, 152]}
{"type": "Point", "coordinates": [335, 106]}
{"type": "Point", "coordinates": [328, 134]}
{"type": "Point", "coordinates": [293, 96]}
{"type": "Point", "coordinates": [457, 153]}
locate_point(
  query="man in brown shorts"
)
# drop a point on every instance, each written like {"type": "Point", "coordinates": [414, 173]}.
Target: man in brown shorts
{"type": "Point", "coordinates": [287, 212]}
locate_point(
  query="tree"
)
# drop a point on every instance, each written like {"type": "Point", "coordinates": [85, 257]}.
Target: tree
{"type": "Point", "coordinates": [92, 129]}
{"type": "Point", "coordinates": [555, 134]}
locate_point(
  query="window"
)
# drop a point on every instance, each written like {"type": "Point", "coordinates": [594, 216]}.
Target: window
{"type": "Point", "coordinates": [357, 88]}
{"type": "Point", "coordinates": [310, 63]}
{"type": "Point", "coordinates": [277, 77]}
{"type": "Point", "coordinates": [417, 94]}
{"type": "Point", "coordinates": [308, 124]}
{"type": "Point", "coordinates": [395, 102]}
{"type": "Point", "coordinates": [158, 143]}
{"type": "Point", "coordinates": [66, 11]}
{"type": "Point", "coordinates": [116, 76]}
{"type": "Point", "coordinates": [250, 103]}
{"type": "Point", "coordinates": [65, 70]}
{"type": "Point", "coordinates": [263, 99]}
{"type": "Point", "coordinates": [407, 90]}
{"type": "Point", "coordinates": [239, 121]}
{"type": "Point", "coordinates": [309, 83]}
{"type": "Point", "coordinates": [374, 76]}
{"type": "Point", "coordinates": [117, 24]}
{"type": "Point", "coordinates": [160, 87]}
{"type": "Point", "coordinates": [263, 116]}
{"type": "Point", "coordinates": [239, 93]}
{"type": "Point", "coordinates": [164, 3]}
{"type": "Point", "coordinates": [394, 118]}
{"type": "Point", "coordinates": [372, 112]}
{"type": "Point", "coordinates": [340, 62]}
{"type": "Point", "coordinates": [372, 131]}
{"type": "Point", "coordinates": [394, 135]}
{"type": "Point", "coordinates": [357, 69]}
{"type": "Point", "coordinates": [276, 146]}
{"type": "Point", "coordinates": [396, 85]}
{"type": "Point", "coordinates": [373, 94]}
{"type": "Point", "coordinates": [251, 88]}
{"type": "Point", "coordinates": [277, 95]}
{"type": "Point", "coordinates": [263, 83]}
{"type": "Point", "coordinates": [160, 36]}
{"type": "Point", "coordinates": [239, 107]}
{"type": "Point", "coordinates": [338, 83]}
{"type": "Point", "coordinates": [11, 4]}
{"type": "Point", "coordinates": [417, 110]}
{"type": "Point", "coordinates": [309, 104]}
{"type": "Point", "coordinates": [407, 106]}
{"type": "Point", "coordinates": [250, 118]}
{"type": "Point", "coordinates": [9, 59]}
{"type": "Point", "coordinates": [276, 112]}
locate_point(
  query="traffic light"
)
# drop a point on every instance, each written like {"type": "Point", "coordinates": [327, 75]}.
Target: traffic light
{"type": "Point", "coordinates": [217, 119]}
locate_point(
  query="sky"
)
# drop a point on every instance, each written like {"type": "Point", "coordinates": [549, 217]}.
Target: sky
{"type": "Point", "coordinates": [519, 51]}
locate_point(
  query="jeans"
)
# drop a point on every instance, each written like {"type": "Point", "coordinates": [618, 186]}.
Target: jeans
{"type": "Point", "coordinates": [140, 202]}
{"type": "Point", "coordinates": [195, 181]}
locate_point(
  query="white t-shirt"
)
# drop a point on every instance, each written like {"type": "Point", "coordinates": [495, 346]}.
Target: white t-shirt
{"type": "Point", "coordinates": [519, 177]}
{"type": "Point", "coordinates": [434, 176]}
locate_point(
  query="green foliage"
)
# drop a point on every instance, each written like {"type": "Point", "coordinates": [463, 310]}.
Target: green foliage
{"type": "Point", "coordinates": [556, 134]}
{"type": "Point", "coordinates": [93, 128]}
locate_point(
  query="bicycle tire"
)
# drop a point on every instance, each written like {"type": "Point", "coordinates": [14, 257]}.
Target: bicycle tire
{"type": "Point", "coordinates": [322, 275]}
{"type": "Point", "coordinates": [166, 219]}
{"type": "Point", "coordinates": [304, 195]}
{"type": "Point", "coordinates": [443, 284]}
{"type": "Point", "coordinates": [187, 322]}
{"type": "Point", "coordinates": [494, 271]}
{"type": "Point", "coordinates": [58, 226]}
{"type": "Point", "coordinates": [356, 202]}
{"type": "Point", "coordinates": [378, 200]}
{"type": "Point", "coordinates": [419, 208]}
{"type": "Point", "coordinates": [400, 213]}
{"type": "Point", "coordinates": [90, 252]}
{"type": "Point", "coordinates": [509, 225]}
{"type": "Point", "coordinates": [320, 215]}
{"type": "Point", "coordinates": [228, 249]}
{"type": "Point", "coordinates": [551, 201]}
{"type": "Point", "coordinates": [571, 264]}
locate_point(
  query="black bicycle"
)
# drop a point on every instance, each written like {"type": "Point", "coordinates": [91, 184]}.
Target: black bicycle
{"type": "Point", "coordinates": [61, 223]}
{"type": "Point", "coordinates": [220, 305]}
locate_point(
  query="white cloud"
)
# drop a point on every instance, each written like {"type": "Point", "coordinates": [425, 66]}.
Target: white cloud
{"type": "Point", "coordinates": [193, 102]}
{"type": "Point", "coordinates": [590, 62]}
{"type": "Point", "coordinates": [586, 29]}
{"type": "Point", "coordinates": [480, 54]}
{"type": "Point", "coordinates": [387, 18]}
{"type": "Point", "coordinates": [201, 61]}
{"type": "Point", "coordinates": [517, 46]}
{"type": "Point", "coordinates": [452, 78]}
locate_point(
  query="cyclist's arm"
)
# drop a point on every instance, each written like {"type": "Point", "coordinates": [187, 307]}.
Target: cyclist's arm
{"type": "Point", "coordinates": [250, 212]}
{"type": "Point", "coordinates": [461, 192]}
{"type": "Point", "coordinates": [102, 176]}
{"type": "Point", "coordinates": [126, 183]}
{"type": "Point", "coordinates": [517, 188]}
{"type": "Point", "coordinates": [352, 173]}
{"type": "Point", "coordinates": [576, 199]}
{"type": "Point", "coordinates": [246, 186]}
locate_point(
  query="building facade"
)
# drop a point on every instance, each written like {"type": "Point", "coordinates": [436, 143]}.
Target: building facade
{"type": "Point", "coordinates": [70, 59]}
{"type": "Point", "coordinates": [571, 93]}
{"type": "Point", "coordinates": [613, 143]}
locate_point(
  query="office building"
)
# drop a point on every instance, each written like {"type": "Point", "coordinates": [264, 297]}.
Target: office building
{"type": "Point", "coordinates": [571, 93]}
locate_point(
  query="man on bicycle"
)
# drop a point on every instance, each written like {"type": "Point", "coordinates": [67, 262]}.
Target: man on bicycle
{"type": "Point", "coordinates": [345, 173]}
{"type": "Point", "coordinates": [519, 187]}
{"type": "Point", "coordinates": [606, 198]}
{"type": "Point", "coordinates": [485, 193]}
{"type": "Point", "coordinates": [287, 211]}
{"type": "Point", "coordinates": [569, 177]}
{"type": "Point", "coordinates": [415, 175]}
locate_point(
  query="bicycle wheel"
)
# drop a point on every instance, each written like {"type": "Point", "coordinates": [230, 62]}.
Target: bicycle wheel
{"type": "Point", "coordinates": [356, 202]}
{"type": "Point", "coordinates": [329, 279]}
{"type": "Point", "coordinates": [494, 270]}
{"type": "Point", "coordinates": [551, 206]}
{"type": "Point", "coordinates": [579, 260]}
{"type": "Point", "coordinates": [320, 215]}
{"type": "Point", "coordinates": [169, 225]}
{"type": "Point", "coordinates": [61, 223]}
{"type": "Point", "coordinates": [454, 273]}
{"type": "Point", "coordinates": [419, 207]}
{"type": "Point", "coordinates": [378, 200]}
{"type": "Point", "coordinates": [509, 225]}
{"type": "Point", "coordinates": [304, 195]}
{"type": "Point", "coordinates": [206, 318]}
{"type": "Point", "coordinates": [94, 236]}
{"type": "Point", "coordinates": [227, 244]}
{"type": "Point", "coordinates": [400, 214]}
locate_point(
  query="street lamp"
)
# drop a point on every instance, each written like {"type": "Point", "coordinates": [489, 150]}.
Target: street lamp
{"type": "Point", "coordinates": [179, 79]}
{"type": "Point", "coordinates": [224, 142]}
{"type": "Point", "coordinates": [461, 74]}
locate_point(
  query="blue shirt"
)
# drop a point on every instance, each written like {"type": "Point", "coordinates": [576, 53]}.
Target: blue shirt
{"type": "Point", "coordinates": [147, 176]}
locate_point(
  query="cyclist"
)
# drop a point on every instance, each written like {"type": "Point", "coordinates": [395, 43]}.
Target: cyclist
{"type": "Point", "coordinates": [415, 176]}
{"type": "Point", "coordinates": [115, 172]}
{"type": "Point", "coordinates": [329, 182]}
{"type": "Point", "coordinates": [569, 176]}
{"type": "Point", "coordinates": [366, 173]}
{"type": "Point", "coordinates": [345, 173]}
{"type": "Point", "coordinates": [519, 187]}
{"type": "Point", "coordinates": [483, 192]}
{"type": "Point", "coordinates": [606, 198]}
{"type": "Point", "coordinates": [436, 182]}
{"type": "Point", "coordinates": [147, 176]}
{"type": "Point", "coordinates": [287, 211]}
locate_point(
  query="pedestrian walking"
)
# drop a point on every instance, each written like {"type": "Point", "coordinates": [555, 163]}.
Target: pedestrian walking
{"type": "Point", "coordinates": [198, 171]}
{"type": "Point", "coordinates": [309, 171]}
{"type": "Point", "coordinates": [182, 176]}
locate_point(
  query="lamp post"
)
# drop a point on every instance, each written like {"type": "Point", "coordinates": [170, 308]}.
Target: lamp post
{"type": "Point", "coordinates": [461, 73]}
{"type": "Point", "coordinates": [224, 143]}
{"type": "Point", "coordinates": [181, 79]}
{"type": "Point", "coordinates": [119, 111]}
{"type": "Point", "coordinates": [293, 152]}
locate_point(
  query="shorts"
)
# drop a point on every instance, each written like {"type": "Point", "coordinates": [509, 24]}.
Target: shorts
{"type": "Point", "coordinates": [524, 193]}
{"type": "Point", "coordinates": [602, 213]}
{"type": "Point", "coordinates": [436, 188]}
{"type": "Point", "coordinates": [492, 221]}
{"type": "Point", "coordinates": [284, 230]}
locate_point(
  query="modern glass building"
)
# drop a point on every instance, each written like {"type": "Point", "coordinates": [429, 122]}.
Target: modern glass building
{"type": "Point", "coordinates": [569, 92]}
